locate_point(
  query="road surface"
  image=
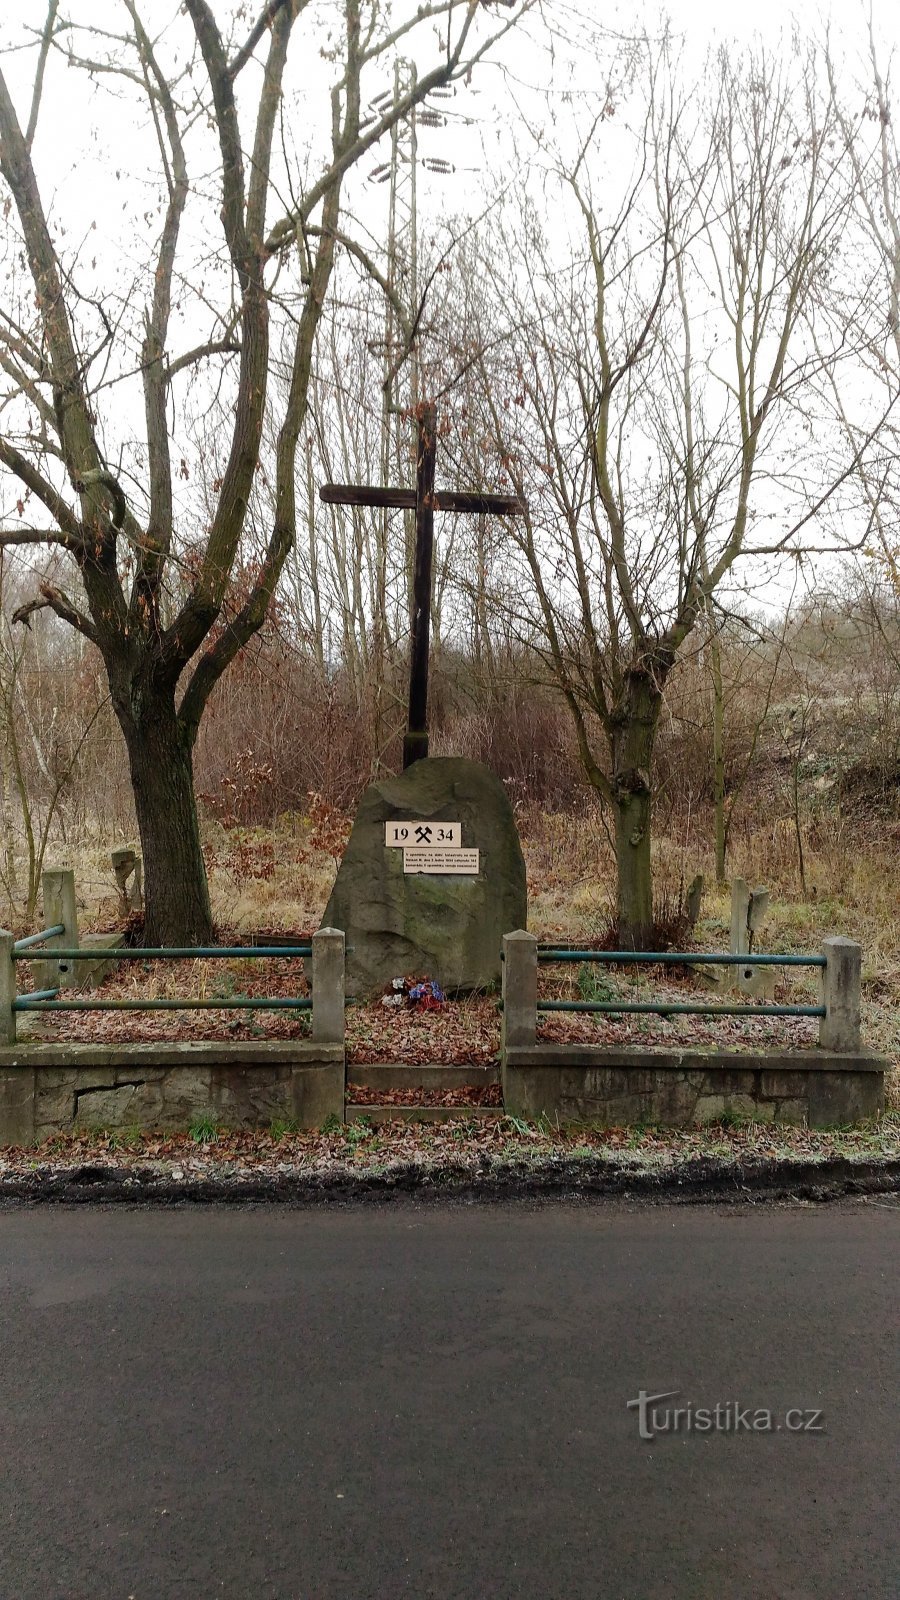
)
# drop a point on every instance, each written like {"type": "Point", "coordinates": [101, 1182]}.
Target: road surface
{"type": "Point", "coordinates": [424, 1400]}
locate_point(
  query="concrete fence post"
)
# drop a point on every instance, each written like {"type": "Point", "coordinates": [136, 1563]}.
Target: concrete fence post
{"type": "Point", "coordinates": [840, 1027]}
{"type": "Point", "coordinates": [519, 989]}
{"type": "Point", "coordinates": [60, 907]}
{"type": "Point", "coordinates": [740, 912]}
{"type": "Point", "coordinates": [328, 986]}
{"type": "Point", "coordinates": [749, 913]}
{"type": "Point", "coordinates": [7, 988]}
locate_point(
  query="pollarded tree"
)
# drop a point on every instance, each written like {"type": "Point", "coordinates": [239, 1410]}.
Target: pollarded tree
{"type": "Point", "coordinates": [222, 289]}
{"type": "Point", "coordinates": [667, 413]}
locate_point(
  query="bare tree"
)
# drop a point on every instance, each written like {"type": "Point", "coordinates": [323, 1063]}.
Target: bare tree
{"type": "Point", "coordinates": [148, 590]}
{"type": "Point", "coordinates": [665, 414]}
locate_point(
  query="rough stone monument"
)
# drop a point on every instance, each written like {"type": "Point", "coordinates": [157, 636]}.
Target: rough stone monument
{"type": "Point", "coordinates": [433, 875]}
{"type": "Point", "coordinates": [405, 905]}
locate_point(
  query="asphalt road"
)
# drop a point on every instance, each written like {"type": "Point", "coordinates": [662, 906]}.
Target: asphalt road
{"type": "Point", "coordinates": [432, 1401]}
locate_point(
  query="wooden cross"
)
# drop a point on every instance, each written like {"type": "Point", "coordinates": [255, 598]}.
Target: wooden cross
{"type": "Point", "coordinates": [425, 500]}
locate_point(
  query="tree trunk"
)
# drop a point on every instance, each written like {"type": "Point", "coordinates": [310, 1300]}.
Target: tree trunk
{"type": "Point", "coordinates": [10, 877]}
{"type": "Point", "coordinates": [721, 828]}
{"type": "Point", "coordinates": [633, 738]}
{"type": "Point", "coordinates": [176, 895]}
{"type": "Point", "coordinates": [635, 882]}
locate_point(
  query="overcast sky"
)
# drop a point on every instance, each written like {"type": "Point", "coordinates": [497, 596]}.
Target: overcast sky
{"type": "Point", "coordinates": [113, 180]}
{"type": "Point", "coordinates": [79, 170]}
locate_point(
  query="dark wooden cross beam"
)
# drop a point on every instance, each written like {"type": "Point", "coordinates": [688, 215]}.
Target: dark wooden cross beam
{"type": "Point", "coordinates": [425, 500]}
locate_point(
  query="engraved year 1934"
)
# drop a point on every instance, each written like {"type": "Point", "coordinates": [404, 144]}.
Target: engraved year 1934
{"type": "Point", "coordinates": [403, 835]}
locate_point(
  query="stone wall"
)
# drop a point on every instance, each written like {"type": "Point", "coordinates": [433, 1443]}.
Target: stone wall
{"type": "Point", "coordinates": [47, 1089]}
{"type": "Point", "coordinates": [611, 1088]}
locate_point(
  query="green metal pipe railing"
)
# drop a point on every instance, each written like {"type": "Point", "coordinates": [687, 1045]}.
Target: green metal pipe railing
{"type": "Point", "coordinates": [552, 954]}
{"type": "Point", "coordinates": [677, 958]}
{"type": "Point", "coordinates": [47, 999]}
{"type": "Point", "coordinates": [236, 1003]}
{"type": "Point", "coordinates": [35, 939]}
{"type": "Point", "coordinates": [664, 1008]}
{"type": "Point", "coordinates": [160, 953]}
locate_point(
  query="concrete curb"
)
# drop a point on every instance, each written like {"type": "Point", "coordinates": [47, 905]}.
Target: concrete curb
{"type": "Point", "coordinates": [699, 1182]}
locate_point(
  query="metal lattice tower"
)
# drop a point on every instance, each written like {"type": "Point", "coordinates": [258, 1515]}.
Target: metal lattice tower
{"type": "Point", "coordinates": [401, 394]}
{"type": "Point", "coordinates": [401, 391]}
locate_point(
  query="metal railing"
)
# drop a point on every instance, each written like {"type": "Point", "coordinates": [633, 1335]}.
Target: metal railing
{"type": "Point", "coordinates": [664, 1008]}
{"type": "Point", "coordinates": [46, 999]}
{"type": "Point", "coordinates": [676, 957]}
{"type": "Point", "coordinates": [35, 939]}
{"type": "Point", "coordinates": [156, 952]}
{"type": "Point", "coordinates": [60, 953]}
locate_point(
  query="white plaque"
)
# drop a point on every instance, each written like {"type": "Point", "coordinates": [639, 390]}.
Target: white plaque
{"type": "Point", "coordinates": [404, 835]}
{"type": "Point", "coordinates": [417, 859]}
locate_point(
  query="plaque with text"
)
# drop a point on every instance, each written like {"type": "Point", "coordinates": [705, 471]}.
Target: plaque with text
{"type": "Point", "coordinates": [419, 858]}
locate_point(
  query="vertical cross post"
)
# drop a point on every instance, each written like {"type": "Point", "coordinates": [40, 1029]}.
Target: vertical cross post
{"type": "Point", "coordinates": [415, 740]}
{"type": "Point", "coordinates": [424, 500]}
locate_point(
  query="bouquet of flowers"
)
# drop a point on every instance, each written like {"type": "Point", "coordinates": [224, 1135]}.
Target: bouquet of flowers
{"type": "Point", "coordinates": [425, 994]}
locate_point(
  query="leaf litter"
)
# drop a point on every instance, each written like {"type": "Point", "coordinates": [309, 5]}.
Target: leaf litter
{"type": "Point", "coordinates": [481, 1146]}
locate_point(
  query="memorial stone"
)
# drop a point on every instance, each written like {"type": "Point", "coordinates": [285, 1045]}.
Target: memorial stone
{"type": "Point", "coordinates": [420, 906]}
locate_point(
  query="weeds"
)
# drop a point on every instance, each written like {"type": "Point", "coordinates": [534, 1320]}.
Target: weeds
{"type": "Point", "coordinates": [283, 1127]}
{"type": "Point", "coordinates": [519, 1125]}
{"type": "Point", "coordinates": [594, 984]}
{"type": "Point", "coordinates": [203, 1130]}
{"type": "Point", "coordinates": [358, 1131]}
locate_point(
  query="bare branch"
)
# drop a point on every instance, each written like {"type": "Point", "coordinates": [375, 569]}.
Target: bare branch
{"type": "Point", "coordinates": [53, 599]}
{"type": "Point", "coordinates": [265, 20]}
{"type": "Point", "coordinates": [285, 230]}
{"type": "Point", "coordinates": [216, 347]}
{"type": "Point", "coordinates": [43, 536]}
{"type": "Point", "coordinates": [68, 522]}
{"type": "Point", "coordinates": [242, 233]}
{"type": "Point", "coordinates": [39, 74]}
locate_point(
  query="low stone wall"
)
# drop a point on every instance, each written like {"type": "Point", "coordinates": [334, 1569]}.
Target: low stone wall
{"type": "Point", "coordinates": [47, 1089]}
{"type": "Point", "coordinates": [611, 1088]}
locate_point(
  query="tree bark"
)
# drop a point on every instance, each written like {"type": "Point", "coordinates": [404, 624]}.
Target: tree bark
{"type": "Point", "coordinates": [160, 758]}
{"type": "Point", "coordinates": [635, 884]}
{"type": "Point", "coordinates": [632, 740]}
